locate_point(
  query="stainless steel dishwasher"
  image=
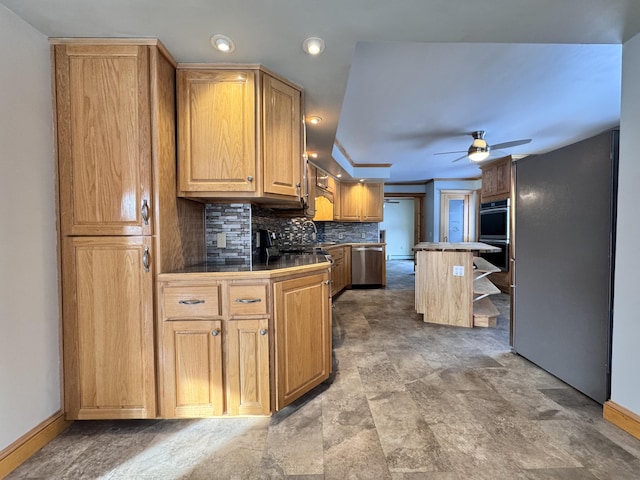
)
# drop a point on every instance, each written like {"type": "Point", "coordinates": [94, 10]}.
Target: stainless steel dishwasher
{"type": "Point", "coordinates": [366, 265]}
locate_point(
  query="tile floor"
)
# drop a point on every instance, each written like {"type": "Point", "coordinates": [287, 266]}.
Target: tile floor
{"type": "Point", "coordinates": [407, 400]}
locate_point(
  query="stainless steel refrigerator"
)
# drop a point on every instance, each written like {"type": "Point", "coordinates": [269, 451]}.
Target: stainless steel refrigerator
{"type": "Point", "coordinates": [563, 260]}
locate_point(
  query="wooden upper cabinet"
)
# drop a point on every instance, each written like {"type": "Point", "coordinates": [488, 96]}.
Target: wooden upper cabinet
{"type": "Point", "coordinates": [361, 202]}
{"type": "Point", "coordinates": [216, 131]}
{"type": "Point", "coordinates": [281, 129]}
{"type": "Point", "coordinates": [349, 208]}
{"type": "Point", "coordinates": [104, 152]}
{"type": "Point", "coordinates": [372, 202]}
{"type": "Point", "coordinates": [239, 134]}
{"type": "Point", "coordinates": [496, 180]}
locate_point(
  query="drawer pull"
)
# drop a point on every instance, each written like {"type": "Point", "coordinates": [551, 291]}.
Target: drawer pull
{"type": "Point", "coordinates": [248, 300]}
{"type": "Point", "coordinates": [190, 302]}
{"type": "Point", "coordinates": [215, 332]}
{"type": "Point", "coordinates": [263, 331]}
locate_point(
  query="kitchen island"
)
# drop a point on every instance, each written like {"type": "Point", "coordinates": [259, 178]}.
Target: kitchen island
{"type": "Point", "coordinates": [244, 339]}
{"type": "Point", "coordinates": [450, 281]}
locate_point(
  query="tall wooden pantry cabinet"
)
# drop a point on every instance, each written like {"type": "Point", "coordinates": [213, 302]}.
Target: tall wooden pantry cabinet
{"type": "Point", "coordinates": [120, 222]}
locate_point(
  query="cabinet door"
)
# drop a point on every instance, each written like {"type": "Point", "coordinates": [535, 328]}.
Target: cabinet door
{"type": "Point", "coordinates": [247, 367]}
{"type": "Point", "coordinates": [372, 202]}
{"type": "Point", "coordinates": [503, 177]}
{"type": "Point", "coordinates": [282, 131]}
{"type": "Point", "coordinates": [488, 181]}
{"type": "Point", "coordinates": [216, 131]}
{"type": "Point", "coordinates": [192, 369]}
{"type": "Point", "coordinates": [103, 125]}
{"type": "Point", "coordinates": [108, 328]}
{"type": "Point", "coordinates": [302, 318]}
{"type": "Point", "coordinates": [350, 202]}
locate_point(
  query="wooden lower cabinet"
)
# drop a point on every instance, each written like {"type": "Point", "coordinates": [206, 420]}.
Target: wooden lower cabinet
{"type": "Point", "coordinates": [247, 367]}
{"type": "Point", "coordinates": [108, 328]}
{"type": "Point", "coordinates": [192, 368]}
{"type": "Point", "coordinates": [302, 321]}
{"type": "Point", "coordinates": [233, 346]}
{"type": "Point", "coordinates": [341, 268]}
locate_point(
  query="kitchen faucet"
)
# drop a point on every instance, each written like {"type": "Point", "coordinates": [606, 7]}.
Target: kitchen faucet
{"type": "Point", "coordinates": [302, 228]}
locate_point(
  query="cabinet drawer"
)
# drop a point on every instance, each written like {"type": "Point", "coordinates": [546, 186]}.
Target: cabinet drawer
{"type": "Point", "coordinates": [191, 302]}
{"type": "Point", "coordinates": [248, 300]}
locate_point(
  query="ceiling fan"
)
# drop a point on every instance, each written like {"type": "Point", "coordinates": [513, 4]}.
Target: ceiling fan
{"type": "Point", "coordinates": [479, 149]}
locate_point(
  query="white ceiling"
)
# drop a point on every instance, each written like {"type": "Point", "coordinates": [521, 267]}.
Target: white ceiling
{"type": "Point", "coordinates": [399, 80]}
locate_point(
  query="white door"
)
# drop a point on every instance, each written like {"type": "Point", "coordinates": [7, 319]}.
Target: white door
{"type": "Point", "coordinates": [454, 216]}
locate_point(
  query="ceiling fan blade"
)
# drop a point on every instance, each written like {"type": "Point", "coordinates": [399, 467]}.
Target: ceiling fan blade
{"type": "Point", "coordinates": [514, 143]}
{"type": "Point", "coordinates": [448, 153]}
{"type": "Point", "coordinates": [459, 158]}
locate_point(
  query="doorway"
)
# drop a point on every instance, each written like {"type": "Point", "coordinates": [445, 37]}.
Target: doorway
{"type": "Point", "coordinates": [455, 216]}
{"type": "Point", "coordinates": [402, 226]}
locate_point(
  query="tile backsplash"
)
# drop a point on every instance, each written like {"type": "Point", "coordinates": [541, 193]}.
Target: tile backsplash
{"type": "Point", "coordinates": [239, 224]}
{"type": "Point", "coordinates": [233, 222]}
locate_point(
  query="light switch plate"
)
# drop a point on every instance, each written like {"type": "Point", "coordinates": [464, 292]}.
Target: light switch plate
{"type": "Point", "coordinates": [458, 270]}
{"type": "Point", "coordinates": [221, 240]}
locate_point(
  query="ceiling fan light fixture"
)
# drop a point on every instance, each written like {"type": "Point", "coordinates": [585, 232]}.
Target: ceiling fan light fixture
{"type": "Point", "coordinates": [479, 149]}
{"type": "Point", "coordinates": [477, 154]}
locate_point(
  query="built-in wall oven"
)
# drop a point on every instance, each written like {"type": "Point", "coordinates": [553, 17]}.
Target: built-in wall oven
{"type": "Point", "coordinates": [494, 231]}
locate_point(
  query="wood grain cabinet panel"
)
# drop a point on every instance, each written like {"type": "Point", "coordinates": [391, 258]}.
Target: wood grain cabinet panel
{"type": "Point", "coordinates": [282, 138]}
{"type": "Point", "coordinates": [496, 180]}
{"type": "Point", "coordinates": [103, 121]}
{"type": "Point", "coordinates": [302, 319]}
{"type": "Point", "coordinates": [108, 328]}
{"type": "Point", "coordinates": [216, 131]}
{"type": "Point", "coordinates": [192, 369]}
{"type": "Point", "coordinates": [247, 367]}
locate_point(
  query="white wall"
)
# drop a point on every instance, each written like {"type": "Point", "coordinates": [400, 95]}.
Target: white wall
{"type": "Point", "coordinates": [30, 382]}
{"type": "Point", "coordinates": [625, 379]}
{"type": "Point", "coordinates": [399, 227]}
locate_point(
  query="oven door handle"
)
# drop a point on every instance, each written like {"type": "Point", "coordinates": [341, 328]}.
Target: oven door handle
{"type": "Point", "coordinates": [494, 210]}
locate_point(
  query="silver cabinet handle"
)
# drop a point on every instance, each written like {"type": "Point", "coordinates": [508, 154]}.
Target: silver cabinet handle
{"type": "Point", "coordinates": [145, 212]}
{"type": "Point", "coordinates": [263, 331]}
{"type": "Point", "coordinates": [215, 332]}
{"type": "Point", "coordinates": [250, 178]}
{"type": "Point", "coordinates": [298, 185]}
{"type": "Point", "coordinates": [248, 300]}
{"type": "Point", "coordinates": [327, 282]}
{"type": "Point", "coordinates": [145, 259]}
{"type": "Point", "coordinates": [190, 302]}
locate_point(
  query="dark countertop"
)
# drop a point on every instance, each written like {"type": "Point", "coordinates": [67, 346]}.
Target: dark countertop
{"type": "Point", "coordinates": [280, 263]}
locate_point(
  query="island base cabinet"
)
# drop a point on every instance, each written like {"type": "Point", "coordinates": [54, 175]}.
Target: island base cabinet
{"type": "Point", "coordinates": [302, 319]}
{"type": "Point", "coordinates": [108, 328]}
{"type": "Point", "coordinates": [192, 369]}
{"type": "Point", "coordinates": [247, 367]}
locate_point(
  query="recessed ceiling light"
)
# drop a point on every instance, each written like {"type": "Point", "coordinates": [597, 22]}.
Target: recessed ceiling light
{"type": "Point", "coordinates": [222, 43]}
{"type": "Point", "coordinates": [313, 155]}
{"type": "Point", "coordinates": [313, 45]}
{"type": "Point", "coordinates": [314, 120]}
{"type": "Point", "coordinates": [339, 175]}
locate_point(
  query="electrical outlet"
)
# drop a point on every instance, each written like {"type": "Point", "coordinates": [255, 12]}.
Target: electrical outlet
{"type": "Point", "coordinates": [363, 235]}
{"type": "Point", "coordinates": [458, 270]}
{"type": "Point", "coordinates": [340, 236]}
{"type": "Point", "coordinates": [221, 240]}
{"type": "Point", "coordinates": [257, 239]}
